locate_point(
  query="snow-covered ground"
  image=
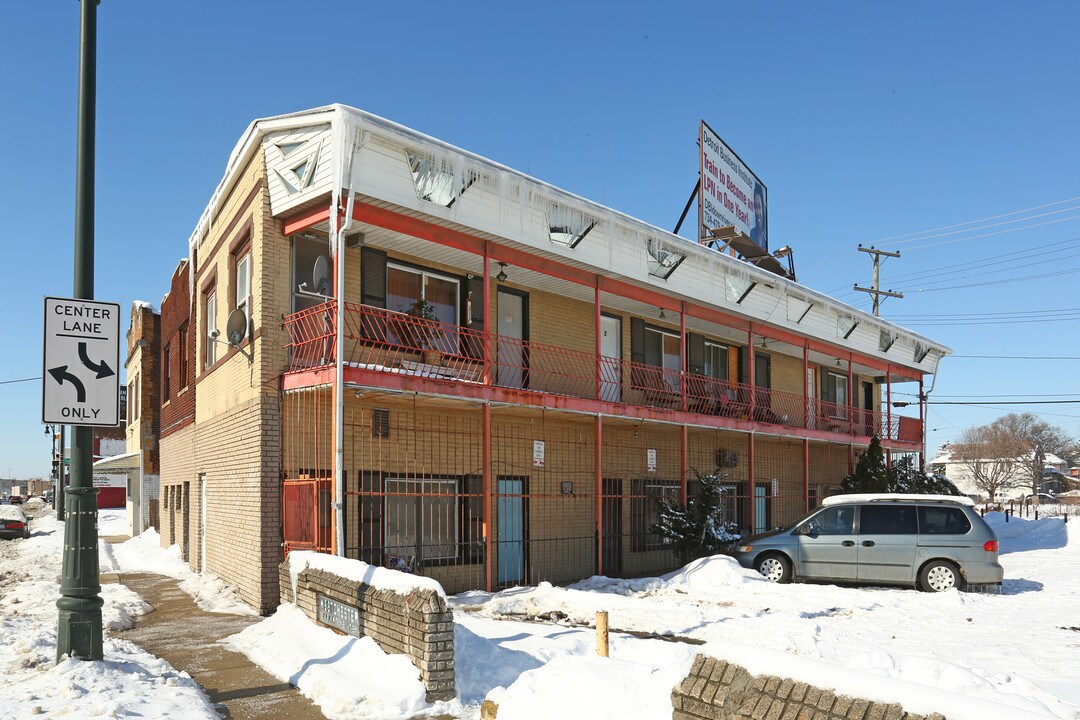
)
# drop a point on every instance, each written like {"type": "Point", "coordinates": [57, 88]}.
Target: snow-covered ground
{"type": "Point", "coordinates": [1011, 655]}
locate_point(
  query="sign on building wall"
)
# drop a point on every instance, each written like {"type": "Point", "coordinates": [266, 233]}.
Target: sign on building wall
{"type": "Point", "coordinates": [650, 460]}
{"type": "Point", "coordinates": [730, 194]}
{"type": "Point", "coordinates": [538, 453]}
{"type": "Point", "coordinates": [80, 385]}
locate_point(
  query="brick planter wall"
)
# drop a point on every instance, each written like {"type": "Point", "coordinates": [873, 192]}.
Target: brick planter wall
{"type": "Point", "coordinates": [418, 625]}
{"type": "Point", "coordinates": [719, 690]}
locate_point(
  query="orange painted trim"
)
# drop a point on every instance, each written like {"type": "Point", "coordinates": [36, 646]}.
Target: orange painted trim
{"type": "Point", "coordinates": [426, 230]}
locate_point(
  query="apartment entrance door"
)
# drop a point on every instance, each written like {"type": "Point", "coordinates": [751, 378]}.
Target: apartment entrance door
{"type": "Point", "coordinates": [611, 542]}
{"type": "Point", "coordinates": [610, 358]}
{"type": "Point", "coordinates": [512, 531]}
{"type": "Point", "coordinates": [511, 356]}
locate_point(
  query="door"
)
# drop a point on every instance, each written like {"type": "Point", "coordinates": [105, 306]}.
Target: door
{"type": "Point", "coordinates": [511, 358]}
{"type": "Point", "coordinates": [811, 401]}
{"type": "Point", "coordinates": [762, 383]}
{"type": "Point", "coordinates": [202, 522]}
{"type": "Point", "coordinates": [610, 359]}
{"type": "Point", "coordinates": [827, 547]}
{"type": "Point", "coordinates": [761, 508]}
{"type": "Point", "coordinates": [185, 518]}
{"type": "Point", "coordinates": [868, 408]}
{"type": "Point", "coordinates": [511, 511]}
{"type": "Point", "coordinates": [611, 543]}
{"type": "Point", "coordinates": [888, 534]}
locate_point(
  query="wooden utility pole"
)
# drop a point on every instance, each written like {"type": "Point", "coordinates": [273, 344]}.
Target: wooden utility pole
{"type": "Point", "coordinates": [876, 290]}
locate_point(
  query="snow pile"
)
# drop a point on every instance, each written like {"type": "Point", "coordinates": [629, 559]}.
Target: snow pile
{"type": "Point", "coordinates": [1021, 535]}
{"type": "Point", "coordinates": [128, 683]}
{"type": "Point", "coordinates": [347, 677]}
{"type": "Point", "coordinates": [144, 553]}
{"type": "Point", "coordinates": [358, 571]}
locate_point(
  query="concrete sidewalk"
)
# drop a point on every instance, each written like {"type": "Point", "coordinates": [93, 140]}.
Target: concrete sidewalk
{"type": "Point", "coordinates": [187, 637]}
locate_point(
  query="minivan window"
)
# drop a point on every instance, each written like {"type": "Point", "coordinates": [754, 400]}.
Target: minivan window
{"type": "Point", "coordinates": [833, 521]}
{"type": "Point", "coordinates": [943, 521]}
{"type": "Point", "coordinates": [887, 520]}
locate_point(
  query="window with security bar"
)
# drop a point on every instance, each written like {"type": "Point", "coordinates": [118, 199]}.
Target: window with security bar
{"type": "Point", "coordinates": [421, 520]}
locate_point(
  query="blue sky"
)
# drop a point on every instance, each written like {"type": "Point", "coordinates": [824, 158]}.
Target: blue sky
{"type": "Point", "coordinates": [866, 122]}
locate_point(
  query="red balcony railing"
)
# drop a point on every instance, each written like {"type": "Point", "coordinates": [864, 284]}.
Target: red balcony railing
{"type": "Point", "coordinates": [394, 342]}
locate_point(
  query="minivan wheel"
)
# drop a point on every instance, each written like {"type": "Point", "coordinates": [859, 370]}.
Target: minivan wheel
{"type": "Point", "coordinates": [939, 576]}
{"type": "Point", "coordinates": [775, 568]}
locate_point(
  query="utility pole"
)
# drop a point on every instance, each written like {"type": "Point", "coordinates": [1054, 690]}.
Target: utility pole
{"type": "Point", "coordinates": [79, 632]}
{"type": "Point", "coordinates": [876, 290]}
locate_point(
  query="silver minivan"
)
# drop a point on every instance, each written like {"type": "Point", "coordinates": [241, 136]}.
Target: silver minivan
{"type": "Point", "coordinates": [933, 542]}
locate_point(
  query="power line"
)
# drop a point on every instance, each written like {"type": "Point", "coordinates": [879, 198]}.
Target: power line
{"type": "Point", "coordinates": [972, 222]}
{"type": "Point", "coordinates": [1019, 357]}
{"type": "Point", "coordinates": [1001, 282]}
{"type": "Point", "coordinates": [1006, 402]}
{"type": "Point", "coordinates": [8, 382]}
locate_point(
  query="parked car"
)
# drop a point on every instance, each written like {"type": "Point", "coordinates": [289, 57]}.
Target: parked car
{"type": "Point", "coordinates": [932, 542]}
{"type": "Point", "coordinates": [1043, 499]}
{"type": "Point", "coordinates": [13, 523]}
{"type": "Point", "coordinates": [15, 500]}
{"type": "Point", "coordinates": [50, 495]}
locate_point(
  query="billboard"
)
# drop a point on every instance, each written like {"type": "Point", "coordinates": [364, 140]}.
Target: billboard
{"type": "Point", "coordinates": [730, 193]}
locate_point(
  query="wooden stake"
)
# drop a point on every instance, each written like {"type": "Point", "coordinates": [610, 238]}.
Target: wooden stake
{"type": "Point", "coordinates": [601, 633]}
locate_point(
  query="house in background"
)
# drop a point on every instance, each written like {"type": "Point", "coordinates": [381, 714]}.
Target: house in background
{"type": "Point", "coordinates": [411, 355]}
{"type": "Point", "coordinates": [130, 478]}
{"type": "Point", "coordinates": [178, 371]}
{"type": "Point", "coordinates": [1016, 478]}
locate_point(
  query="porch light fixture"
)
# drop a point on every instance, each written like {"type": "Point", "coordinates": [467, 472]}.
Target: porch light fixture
{"type": "Point", "coordinates": [662, 315]}
{"type": "Point", "coordinates": [501, 277]}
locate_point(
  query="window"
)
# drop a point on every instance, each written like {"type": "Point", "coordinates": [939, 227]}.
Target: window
{"type": "Point", "coordinates": [421, 519]}
{"type": "Point", "coordinates": [133, 410]}
{"type": "Point", "coordinates": [306, 250]}
{"type": "Point", "coordinates": [435, 180]}
{"type": "Point", "coordinates": [942, 521]}
{"type": "Point", "coordinates": [887, 520]}
{"type": "Point", "coordinates": [242, 300]}
{"type": "Point", "coordinates": [568, 226]}
{"type": "Point", "coordinates": [182, 348]}
{"type": "Point", "coordinates": [716, 361]}
{"type": "Point", "coordinates": [407, 288]}
{"type": "Point", "coordinates": [836, 391]}
{"type": "Point", "coordinates": [834, 521]}
{"type": "Point", "coordinates": [662, 260]}
{"type": "Point", "coordinates": [166, 371]}
{"type": "Point", "coordinates": [645, 512]}
{"type": "Point", "coordinates": [210, 338]}
{"type": "Point", "coordinates": [662, 351]}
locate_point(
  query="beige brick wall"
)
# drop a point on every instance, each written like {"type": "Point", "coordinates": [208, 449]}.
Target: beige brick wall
{"type": "Point", "coordinates": [177, 467]}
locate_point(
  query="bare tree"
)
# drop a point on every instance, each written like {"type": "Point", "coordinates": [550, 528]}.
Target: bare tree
{"type": "Point", "coordinates": [1040, 437]}
{"type": "Point", "coordinates": [994, 458]}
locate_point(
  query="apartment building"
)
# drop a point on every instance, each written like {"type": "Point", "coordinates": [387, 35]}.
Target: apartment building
{"type": "Point", "coordinates": [408, 354]}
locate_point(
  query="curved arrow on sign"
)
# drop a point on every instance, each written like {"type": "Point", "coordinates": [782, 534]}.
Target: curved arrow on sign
{"type": "Point", "coordinates": [61, 374]}
{"type": "Point", "coordinates": [102, 370]}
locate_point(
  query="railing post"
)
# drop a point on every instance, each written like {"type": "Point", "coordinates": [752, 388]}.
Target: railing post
{"type": "Point", "coordinates": [488, 335]}
{"type": "Point", "coordinates": [598, 344]}
{"type": "Point", "coordinates": [683, 366]}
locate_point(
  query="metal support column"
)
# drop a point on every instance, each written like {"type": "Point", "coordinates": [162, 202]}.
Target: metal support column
{"type": "Point", "coordinates": [806, 474]}
{"type": "Point", "coordinates": [684, 463]}
{"type": "Point", "coordinates": [598, 346]}
{"type": "Point", "coordinates": [489, 540]}
{"type": "Point", "coordinates": [752, 485]}
{"type": "Point", "coordinates": [598, 478]}
{"type": "Point", "coordinates": [79, 632]}
{"type": "Point", "coordinates": [489, 318]}
{"type": "Point", "coordinates": [683, 366]}
{"type": "Point", "coordinates": [922, 427]}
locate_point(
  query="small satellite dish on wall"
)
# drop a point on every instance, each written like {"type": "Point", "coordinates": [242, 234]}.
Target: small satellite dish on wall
{"type": "Point", "coordinates": [236, 327]}
{"type": "Point", "coordinates": [320, 275]}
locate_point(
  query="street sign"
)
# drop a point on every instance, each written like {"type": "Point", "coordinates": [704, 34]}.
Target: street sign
{"type": "Point", "coordinates": [80, 384]}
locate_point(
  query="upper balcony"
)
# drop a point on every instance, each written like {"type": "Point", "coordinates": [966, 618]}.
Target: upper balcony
{"type": "Point", "coordinates": [390, 349]}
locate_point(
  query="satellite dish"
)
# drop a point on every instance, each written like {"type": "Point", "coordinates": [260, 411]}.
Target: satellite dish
{"type": "Point", "coordinates": [320, 276]}
{"type": "Point", "coordinates": [236, 327]}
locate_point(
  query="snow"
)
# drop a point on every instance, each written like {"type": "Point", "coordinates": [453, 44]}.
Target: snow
{"type": "Point", "coordinates": [532, 649]}
{"type": "Point", "coordinates": [377, 577]}
{"type": "Point", "coordinates": [867, 497]}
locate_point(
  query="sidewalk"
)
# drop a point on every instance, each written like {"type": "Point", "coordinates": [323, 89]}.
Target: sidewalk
{"type": "Point", "coordinates": [187, 637]}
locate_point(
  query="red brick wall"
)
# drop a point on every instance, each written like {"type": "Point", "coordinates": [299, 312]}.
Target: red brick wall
{"type": "Point", "coordinates": [178, 411]}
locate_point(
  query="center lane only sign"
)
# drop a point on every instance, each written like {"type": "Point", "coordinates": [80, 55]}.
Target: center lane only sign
{"type": "Point", "coordinates": [81, 356]}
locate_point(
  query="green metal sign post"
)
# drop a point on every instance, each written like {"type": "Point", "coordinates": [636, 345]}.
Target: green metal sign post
{"type": "Point", "coordinates": [79, 631]}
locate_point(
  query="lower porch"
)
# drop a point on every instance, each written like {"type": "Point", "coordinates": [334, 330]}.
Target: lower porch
{"type": "Point", "coordinates": [483, 496]}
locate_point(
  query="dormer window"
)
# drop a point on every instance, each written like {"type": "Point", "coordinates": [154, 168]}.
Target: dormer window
{"type": "Point", "coordinates": [435, 181]}
{"type": "Point", "coordinates": [662, 260]}
{"type": "Point", "coordinates": [567, 226]}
